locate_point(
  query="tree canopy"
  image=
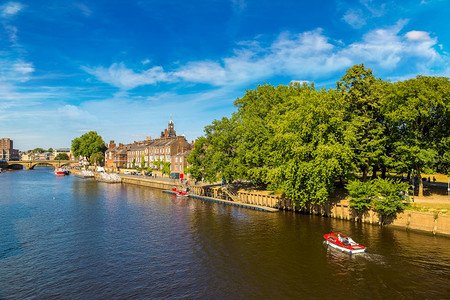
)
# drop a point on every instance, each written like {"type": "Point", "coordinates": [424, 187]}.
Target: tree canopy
{"type": "Point", "coordinates": [61, 156]}
{"type": "Point", "coordinates": [88, 144]}
{"type": "Point", "coordinates": [300, 140]}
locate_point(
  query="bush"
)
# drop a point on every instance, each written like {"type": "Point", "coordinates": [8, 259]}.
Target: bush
{"type": "Point", "coordinates": [361, 194]}
{"type": "Point", "coordinates": [385, 196]}
{"type": "Point", "coordinates": [390, 197]}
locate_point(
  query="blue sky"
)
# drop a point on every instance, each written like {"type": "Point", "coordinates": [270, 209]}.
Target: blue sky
{"type": "Point", "coordinates": [124, 68]}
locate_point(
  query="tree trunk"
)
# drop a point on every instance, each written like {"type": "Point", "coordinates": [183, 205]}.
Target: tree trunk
{"type": "Point", "coordinates": [375, 170]}
{"type": "Point", "coordinates": [365, 171]}
{"type": "Point", "coordinates": [383, 172]}
{"type": "Point", "coordinates": [420, 183]}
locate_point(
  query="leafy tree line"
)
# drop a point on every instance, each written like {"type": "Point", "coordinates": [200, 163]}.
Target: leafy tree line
{"type": "Point", "coordinates": [300, 140]}
{"type": "Point", "coordinates": [40, 150]}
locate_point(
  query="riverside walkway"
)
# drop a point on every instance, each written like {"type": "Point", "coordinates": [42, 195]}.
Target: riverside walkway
{"type": "Point", "coordinates": [166, 184]}
{"type": "Point", "coordinates": [227, 202]}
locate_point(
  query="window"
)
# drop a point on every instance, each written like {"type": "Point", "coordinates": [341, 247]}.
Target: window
{"type": "Point", "coordinates": [176, 159]}
{"type": "Point", "coordinates": [176, 167]}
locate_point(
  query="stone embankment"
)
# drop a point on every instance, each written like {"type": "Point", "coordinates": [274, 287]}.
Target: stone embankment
{"type": "Point", "coordinates": [411, 220]}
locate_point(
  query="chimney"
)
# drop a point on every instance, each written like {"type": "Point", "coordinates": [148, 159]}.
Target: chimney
{"type": "Point", "coordinates": [148, 138]}
{"type": "Point", "coordinates": [165, 133]}
{"type": "Point", "coordinates": [162, 134]}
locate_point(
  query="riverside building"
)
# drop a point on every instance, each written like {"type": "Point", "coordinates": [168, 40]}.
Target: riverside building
{"type": "Point", "coordinates": [151, 153]}
{"type": "Point", "coordinates": [6, 150]}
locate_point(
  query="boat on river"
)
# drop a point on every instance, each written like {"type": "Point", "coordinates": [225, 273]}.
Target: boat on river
{"type": "Point", "coordinates": [180, 193]}
{"type": "Point", "coordinates": [343, 243]}
{"type": "Point", "coordinates": [59, 172]}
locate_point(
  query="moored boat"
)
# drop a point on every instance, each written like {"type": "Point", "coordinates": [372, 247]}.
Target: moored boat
{"type": "Point", "coordinates": [180, 193]}
{"type": "Point", "coordinates": [343, 243]}
{"type": "Point", "coordinates": [59, 172]}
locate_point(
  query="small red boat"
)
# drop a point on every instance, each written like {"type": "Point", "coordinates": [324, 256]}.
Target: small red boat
{"type": "Point", "coordinates": [343, 243]}
{"type": "Point", "coordinates": [180, 193]}
{"type": "Point", "coordinates": [59, 172]}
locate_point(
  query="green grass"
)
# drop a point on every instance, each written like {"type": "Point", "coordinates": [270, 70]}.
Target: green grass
{"type": "Point", "coordinates": [441, 208]}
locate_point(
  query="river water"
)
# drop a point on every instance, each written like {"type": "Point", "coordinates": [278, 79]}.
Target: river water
{"type": "Point", "coordinates": [65, 237]}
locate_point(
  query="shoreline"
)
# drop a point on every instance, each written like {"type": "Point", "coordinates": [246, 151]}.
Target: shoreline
{"type": "Point", "coordinates": [425, 222]}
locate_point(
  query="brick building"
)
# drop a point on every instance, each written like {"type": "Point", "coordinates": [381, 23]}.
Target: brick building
{"type": "Point", "coordinates": [163, 148]}
{"type": "Point", "coordinates": [179, 162]}
{"type": "Point", "coordinates": [116, 156]}
{"type": "Point", "coordinates": [6, 150]}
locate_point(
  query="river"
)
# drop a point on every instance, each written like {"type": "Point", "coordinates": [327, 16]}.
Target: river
{"type": "Point", "coordinates": [65, 237]}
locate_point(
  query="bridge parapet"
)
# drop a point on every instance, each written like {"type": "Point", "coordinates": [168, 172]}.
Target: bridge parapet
{"type": "Point", "coordinates": [30, 164]}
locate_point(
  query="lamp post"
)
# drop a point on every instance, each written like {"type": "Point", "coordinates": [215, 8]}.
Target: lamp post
{"type": "Point", "coordinates": [412, 170]}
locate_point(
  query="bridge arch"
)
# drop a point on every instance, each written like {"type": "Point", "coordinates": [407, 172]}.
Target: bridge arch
{"type": "Point", "coordinates": [31, 164]}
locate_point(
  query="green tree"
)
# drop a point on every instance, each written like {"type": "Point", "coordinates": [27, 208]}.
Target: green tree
{"type": "Point", "coordinates": [288, 138]}
{"type": "Point", "coordinates": [309, 149]}
{"type": "Point", "coordinates": [133, 164]}
{"type": "Point", "coordinates": [143, 161]}
{"type": "Point", "coordinates": [37, 150]}
{"type": "Point", "coordinates": [61, 156]}
{"type": "Point", "coordinates": [50, 150]}
{"type": "Point", "coordinates": [88, 144]}
{"type": "Point", "coordinates": [97, 158]}
{"type": "Point", "coordinates": [361, 195]}
{"type": "Point", "coordinates": [362, 94]}
{"type": "Point", "coordinates": [196, 159]}
{"type": "Point", "coordinates": [419, 113]}
{"type": "Point", "coordinates": [390, 197]}
{"type": "Point", "coordinates": [157, 163]}
{"type": "Point", "coordinates": [166, 168]}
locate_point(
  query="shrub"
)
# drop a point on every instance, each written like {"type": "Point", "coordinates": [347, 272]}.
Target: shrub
{"type": "Point", "coordinates": [390, 197]}
{"type": "Point", "coordinates": [361, 194]}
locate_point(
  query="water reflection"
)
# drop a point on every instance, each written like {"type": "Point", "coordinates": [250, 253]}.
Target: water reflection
{"type": "Point", "coordinates": [119, 241]}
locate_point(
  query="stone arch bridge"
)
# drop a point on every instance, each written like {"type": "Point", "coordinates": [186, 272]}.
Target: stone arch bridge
{"type": "Point", "coordinates": [30, 164]}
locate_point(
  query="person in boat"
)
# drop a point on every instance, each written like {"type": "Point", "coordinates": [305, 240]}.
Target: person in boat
{"type": "Point", "coordinates": [339, 238]}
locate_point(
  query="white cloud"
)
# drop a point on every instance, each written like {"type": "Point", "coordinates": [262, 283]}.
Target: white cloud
{"type": "Point", "coordinates": [358, 17]}
{"type": "Point", "coordinates": [85, 10]}
{"type": "Point", "coordinates": [375, 11]}
{"type": "Point", "coordinates": [10, 9]}
{"type": "Point", "coordinates": [309, 55]}
{"type": "Point", "coordinates": [126, 79]}
{"type": "Point", "coordinates": [203, 72]}
{"type": "Point", "coordinates": [238, 5]}
{"type": "Point", "coordinates": [12, 33]}
{"type": "Point", "coordinates": [354, 17]}
{"type": "Point", "coordinates": [301, 82]}
{"type": "Point", "coordinates": [417, 35]}
{"type": "Point", "coordinates": [23, 67]}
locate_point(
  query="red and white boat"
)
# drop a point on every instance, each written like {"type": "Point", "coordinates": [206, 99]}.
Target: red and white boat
{"type": "Point", "coordinates": [343, 243]}
{"type": "Point", "coordinates": [59, 172]}
{"type": "Point", "coordinates": [180, 193]}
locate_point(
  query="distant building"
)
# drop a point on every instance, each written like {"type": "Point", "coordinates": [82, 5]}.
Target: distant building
{"type": "Point", "coordinates": [45, 156]}
{"type": "Point", "coordinates": [63, 150]}
{"type": "Point", "coordinates": [6, 150]}
{"type": "Point", "coordinates": [116, 156]}
{"type": "Point", "coordinates": [149, 151]}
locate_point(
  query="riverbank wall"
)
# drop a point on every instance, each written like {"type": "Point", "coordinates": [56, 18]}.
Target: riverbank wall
{"type": "Point", "coordinates": [340, 209]}
{"type": "Point", "coordinates": [337, 208]}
